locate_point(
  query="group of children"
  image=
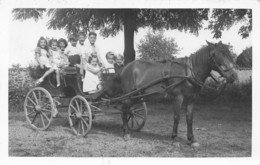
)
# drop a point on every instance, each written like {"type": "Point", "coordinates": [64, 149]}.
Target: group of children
{"type": "Point", "coordinates": [57, 54]}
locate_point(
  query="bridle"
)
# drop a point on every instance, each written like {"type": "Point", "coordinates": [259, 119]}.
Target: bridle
{"type": "Point", "coordinates": [195, 79]}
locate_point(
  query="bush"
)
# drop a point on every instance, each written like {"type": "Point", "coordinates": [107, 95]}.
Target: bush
{"type": "Point", "coordinates": [19, 83]}
{"type": "Point", "coordinates": [232, 93]}
{"type": "Point", "coordinates": [36, 72]}
{"type": "Point", "coordinates": [155, 46]}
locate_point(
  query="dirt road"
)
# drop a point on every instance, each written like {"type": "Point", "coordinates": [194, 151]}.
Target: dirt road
{"type": "Point", "coordinates": [222, 131]}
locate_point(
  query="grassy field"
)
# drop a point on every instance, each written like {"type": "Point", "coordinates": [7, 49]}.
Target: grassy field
{"type": "Point", "coordinates": [223, 130]}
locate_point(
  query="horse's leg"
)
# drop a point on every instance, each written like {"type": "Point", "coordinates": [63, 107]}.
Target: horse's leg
{"type": "Point", "coordinates": [177, 103]}
{"type": "Point", "coordinates": [125, 108]}
{"type": "Point", "coordinates": [189, 120]}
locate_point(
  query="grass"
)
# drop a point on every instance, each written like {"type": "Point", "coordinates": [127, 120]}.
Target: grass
{"type": "Point", "coordinates": [223, 130]}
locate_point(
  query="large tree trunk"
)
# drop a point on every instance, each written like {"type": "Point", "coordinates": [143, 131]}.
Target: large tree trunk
{"type": "Point", "coordinates": [129, 28]}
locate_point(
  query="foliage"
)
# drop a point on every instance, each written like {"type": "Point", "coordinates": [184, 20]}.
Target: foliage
{"type": "Point", "coordinates": [222, 19]}
{"type": "Point", "coordinates": [19, 84]}
{"type": "Point", "coordinates": [245, 58]}
{"type": "Point", "coordinates": [156, 46]}
{"type": "Point", "coordinates": [238, 92]}
{"type": "Point", "coordinates": [36, 72]}
{"type": "Point", "coordinates": [111, 21]}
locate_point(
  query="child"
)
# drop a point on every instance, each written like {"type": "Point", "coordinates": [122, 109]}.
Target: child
{"type": "Point", "coordinates": [72, 52]}
{"type": "Point", "coordinates": [62, 44]}
{"type": "Point", "coordinates": [42, 57]}
{"type": "Point", "coordinates": [91, 80]}
{"type": "Point", "coordinates": [55, 59]}
{"type": "Point", "coordinates": [110, 56]}
{"type": "Point", "coordinates": [119, 64]}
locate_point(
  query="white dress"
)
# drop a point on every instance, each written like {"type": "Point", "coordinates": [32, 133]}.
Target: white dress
{"type": "Point", "coordinates": [91, 79]}
{"type": "Point", "coordinates": [56, 59]}
{"type": "Point", "coordinates": [43, 58]}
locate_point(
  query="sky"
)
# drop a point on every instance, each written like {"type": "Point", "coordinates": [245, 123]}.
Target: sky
{"type": "Point", "coordinates": [25, 34]}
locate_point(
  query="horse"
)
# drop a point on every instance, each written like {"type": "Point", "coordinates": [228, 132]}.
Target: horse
{"type": "Point", "coordinates": [213, 56]}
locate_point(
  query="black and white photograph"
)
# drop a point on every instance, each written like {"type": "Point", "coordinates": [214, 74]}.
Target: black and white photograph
{"type": "Point", "coordinates": [97, 81]}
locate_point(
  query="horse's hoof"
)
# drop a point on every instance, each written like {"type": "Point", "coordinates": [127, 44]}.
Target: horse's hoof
{"type": "Point", "coordinates": [127, 137]}
{"type": "Point", "coordinates": [195, 144]}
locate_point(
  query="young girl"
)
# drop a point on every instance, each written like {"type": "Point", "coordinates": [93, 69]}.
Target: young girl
{"type": "Point", "coordinates": [55, 59]}
{"type": "Point", "coordinates": [110, 56]}
{"type": "Point", "coordinates": [42, 57]}
{"type": "Point", "coordinates": [91, 79]}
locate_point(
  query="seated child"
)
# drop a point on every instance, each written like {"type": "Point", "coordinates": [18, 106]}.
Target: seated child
{"type": "Point", "coordinates": [110, 57]}
{"type": "Point", "coordinates": [62, 44]}
{"type": "Point", "coordinates": [91, 80]}
{"type": "Point", "coordinates": [72, 52]}
{"type": "Point", "coordinates": [42, 57]}
{"type": "Point", "coordinates": [119, 63]}
{"type": "Point", "coordinates": [55, 59]}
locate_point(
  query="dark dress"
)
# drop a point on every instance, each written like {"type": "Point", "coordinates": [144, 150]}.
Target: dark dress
{"type": "Point", "coordinates": [118, 68]}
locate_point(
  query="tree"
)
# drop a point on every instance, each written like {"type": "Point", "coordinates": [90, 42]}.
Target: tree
{"type": "Point", "coordinates": [111, 21]}
{"type": "Point", "coordinates": [225, 18]}
{"type": "Point", "coordinates": [245, 58]}
{"type": "Point", "coordinates": [156, 46]}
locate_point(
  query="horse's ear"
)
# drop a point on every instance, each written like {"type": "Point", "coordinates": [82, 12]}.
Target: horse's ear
{"type": "Point", "coordinates": [210, 44]}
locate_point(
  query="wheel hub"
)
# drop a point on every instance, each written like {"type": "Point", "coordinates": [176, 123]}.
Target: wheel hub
{"type": "Point", "coordinates": [38, 108]}
{"type": "Point", "coordinates": [78, 115]}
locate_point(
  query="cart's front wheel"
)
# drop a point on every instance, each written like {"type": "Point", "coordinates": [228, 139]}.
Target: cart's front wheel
{"type": "Point", "coordinates": [136, 117]}
{"type": "Point", "coordinates": [38, 108]}
{"type": "Point", "coordinates": [80, 117]}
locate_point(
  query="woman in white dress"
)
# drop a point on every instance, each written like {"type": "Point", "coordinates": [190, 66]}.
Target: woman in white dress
{"type": "Point", "coordinates": [91, 80]}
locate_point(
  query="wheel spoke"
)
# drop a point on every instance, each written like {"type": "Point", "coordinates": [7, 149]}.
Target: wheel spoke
{"type": "Point", "coordinates": [30, 106]}
{"type": "Point", "coordinates": [79, 127]}
{"type": "Point", "coordinates": [81, 107]}
{"type": "Point", "coordinates": [34, 95]}
{"type": "Point", "coordinates": [73, 108]}
{"type": "Point", "coordinates": [77, 104]}
{"type": "Point", "coordinates": [45, 105]}
{"type": "Point", "coordinates": [129, 117]}
{"type": "Point", "coordinates": [40, 96]}
{"type": "Point", "coordinates": [82, 125]}
{"type": "Point", "coordinates": [31, 100]}
{"type": "Point", "coordinates": [137, 110]}
{"type": "Point", "coordinates": [138, 115]}
{"type": "Point", "coordinates": [34, 118]}
{"type": "Point", "coordinates": [85, 115]}
{"type": "Point", "coordinates": [46, 117]}
{"type": "Point", "coordinates": [46, 110]}
{"type": "Point", "coordinates": [136, 121]}
{"type": "Point", "coordinates": [132, 121]}
{"type": "Point", "coordinates": [86, 124]}
{"type": "Point", "coordinates": [42, 120]}
{"type": "Point", "coordinates": [31, 113]}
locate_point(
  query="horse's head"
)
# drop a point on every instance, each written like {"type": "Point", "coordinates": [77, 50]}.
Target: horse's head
{"type": "Point", "coordinates": [223, 62]}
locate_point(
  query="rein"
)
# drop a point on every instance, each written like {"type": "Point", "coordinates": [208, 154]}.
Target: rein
{"type": "Point", "coordinates": [200, 83]}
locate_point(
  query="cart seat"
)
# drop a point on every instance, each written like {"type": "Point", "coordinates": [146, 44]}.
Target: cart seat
{"type": "Point", "coordinates": [70, 70]}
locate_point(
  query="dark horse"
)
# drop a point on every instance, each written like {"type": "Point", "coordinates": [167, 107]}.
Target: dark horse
{"type": "Point", "coordinates": [198, 66]}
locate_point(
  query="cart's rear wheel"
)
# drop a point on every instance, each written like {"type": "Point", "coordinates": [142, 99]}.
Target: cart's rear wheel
{"type": "Point", "coordinates": [80, 116]}
{"type": "Point", "coordinates": [136, 117]}
{"type": "Point", "coordinates": [38, 108]}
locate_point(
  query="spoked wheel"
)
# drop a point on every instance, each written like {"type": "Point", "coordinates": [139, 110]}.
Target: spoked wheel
{"type": "Point", "coordinates": [80, 117]}
{"type": "Point", "coordinates": [38, 108]}
{"type": "Point", "coordinates": [137, 116]}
